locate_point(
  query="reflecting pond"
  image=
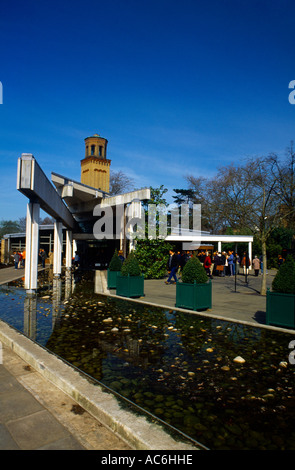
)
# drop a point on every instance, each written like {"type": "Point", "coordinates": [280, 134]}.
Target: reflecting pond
{"type": "Point", "coordinates": [227, 385]}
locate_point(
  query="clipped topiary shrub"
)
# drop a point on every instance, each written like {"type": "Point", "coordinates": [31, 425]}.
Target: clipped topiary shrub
{"type": "Point", "coordinates": [115, 263]}
{"type": "Point", "coordinates": [194, 271]}
{"type": "Point", "coordinates": [130, 266]}
{"type": "Point", "coordinates": [284, 281]}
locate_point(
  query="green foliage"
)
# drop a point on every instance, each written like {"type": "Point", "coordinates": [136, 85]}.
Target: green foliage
{"type": "Point", "coordinates": [280, 238]}
{"type": "Point", "coordinates": [157, 196]}
{"type": "Point", "coordinates": [115, 263]}
{"type": "Point", "coordinates": [284, 280]}
{"type": "Point", "coordinates": [184, 196]}
{"type": "Point", "coordinates": [130, 266]}
{"type": "Point", "coordinates": [9, 226]}
{"type": "Point", "coordinates": [152, 256]}
{"type": "Point", "coordinates": [194, 271]}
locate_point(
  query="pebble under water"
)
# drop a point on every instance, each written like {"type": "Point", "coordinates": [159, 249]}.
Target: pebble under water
{"type": "Point", "coordinates": [224, 384]}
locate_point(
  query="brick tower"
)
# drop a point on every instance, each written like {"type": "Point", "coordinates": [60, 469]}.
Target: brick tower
{"type": "Point", "coordinates": [95, 167]}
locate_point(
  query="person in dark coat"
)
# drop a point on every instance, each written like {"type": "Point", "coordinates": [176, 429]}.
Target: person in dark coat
{"type": "Point", "coordinates": [172, 266]}
{"type": "Point", "coordinates": [43, 257]}
{"type": "Point", "coordinates": [245, 262]}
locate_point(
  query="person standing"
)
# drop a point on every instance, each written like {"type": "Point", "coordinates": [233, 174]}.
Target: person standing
{"type": "Point", "coordinates": [120, 254]}
{"type": "Point", "coordinates": [262, 265]}
{"type": "Point", "coordinates": [245, 262]}
{"type": "Point", "coordinates": [20, 259]}
{"type": "Point", "coordinates": [218, 264]}
{"type": "Point", "coordinates": [76, 259]}
{"type": "Point", "coordinates": [15, 259]}
{"type": "Point", "coordinates": [207, 265]}
{"type": "Point", "coordinates": [24, 258]}
{"type": "Point", "coordinates": [172, 266]}
{"type": "Point", "coordinates": [43, 257]}
{"type": "Point", "coordinates": [231, 265]}
{"type": "Point", "coordinates": [237, 263]}
{"type": "Point", "coordinates": [224, 264]}
{"type": "Point", "coordinates": [256, 265]}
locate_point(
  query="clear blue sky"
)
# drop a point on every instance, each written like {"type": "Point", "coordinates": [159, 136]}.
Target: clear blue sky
{"type": "Point", "coordinates": [176, 87]}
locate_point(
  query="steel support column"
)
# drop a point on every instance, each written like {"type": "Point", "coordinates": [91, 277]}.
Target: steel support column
{"type": "Point", "coordinates": [32, 242]}
{"type": "Point", "coordinates": [57, 250]}
{"type": "Point", "coordinates": [69, 253]}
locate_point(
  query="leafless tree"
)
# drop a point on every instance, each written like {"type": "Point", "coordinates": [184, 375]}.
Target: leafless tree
{"type": "Point", "coordinates": [258, 195]}
{"type": "Point", "coordinates": [120, 183]}
{"type": "Point", "coordinates": [206, 193]}
{"type": "Point", "coordinates": [284, 172]}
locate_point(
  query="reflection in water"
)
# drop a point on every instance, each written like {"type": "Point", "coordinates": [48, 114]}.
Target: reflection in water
{"type": "Point", "coordinates": [69, 285]}
{"type": "Point", "coordinates": [37, 307]}
{"type": "Point", "coordinates": [30, 316]}
{"type": "Point", "coordinates": [56, 299]}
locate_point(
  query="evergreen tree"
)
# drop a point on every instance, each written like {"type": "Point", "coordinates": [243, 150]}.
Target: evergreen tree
{"type": "Point", "coordinates": [284, 280]}
{"type": "Point", "coordinates": [194, 271]}
{"type": "Point", "coordinates": [115, 263]}
{"type": "Point", "coordinates": [130, 266]}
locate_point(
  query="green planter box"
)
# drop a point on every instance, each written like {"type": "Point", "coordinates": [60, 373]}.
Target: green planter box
{"type": "Point", "coordinates": [112, 279]}
{"type": "Point", "coordinates": [280, 309]}
{"type": "Point", "coordinates": [194, 296]}
{"type": "Point", "coordinates": [130, 286]}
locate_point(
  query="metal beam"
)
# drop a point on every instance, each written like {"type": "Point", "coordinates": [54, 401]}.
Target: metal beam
{"type": "Point", "coordinates": [127, 198]}
{"type": "Point", "coordinates": [33, 183]}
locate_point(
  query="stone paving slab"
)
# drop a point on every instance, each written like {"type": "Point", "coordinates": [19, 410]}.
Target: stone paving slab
{"type": "Point", "coordinates": [10, 274]}
{"type": "Point", "coordinates": [36, 415]}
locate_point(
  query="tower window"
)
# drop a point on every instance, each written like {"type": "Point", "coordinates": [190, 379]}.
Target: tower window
{"type": "Point", "coordinates": [92, 149]}
{"type": "Point", "coordinates": [100, 150]}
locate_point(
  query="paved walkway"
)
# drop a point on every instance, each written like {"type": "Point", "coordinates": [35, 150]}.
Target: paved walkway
{"type": "Point", "coordinates": [232, 299]}
{"type": "Point", "coordinates": [235, 301]}
{"type": "Point", "coordinates": [36, 415]}
{"type": "Point", "coordinates": [11, 274]}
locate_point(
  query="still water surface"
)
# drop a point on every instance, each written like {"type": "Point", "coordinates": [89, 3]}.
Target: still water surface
{"type": "Point", "coordinates": [180, 367]}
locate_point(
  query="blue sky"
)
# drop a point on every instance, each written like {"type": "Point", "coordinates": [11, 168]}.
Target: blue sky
{"type": "Point", "coordinates": [177, 87]}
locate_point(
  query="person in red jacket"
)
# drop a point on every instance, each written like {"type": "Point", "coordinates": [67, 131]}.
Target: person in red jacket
{"type": "Point", "coordinates": [207, 264]}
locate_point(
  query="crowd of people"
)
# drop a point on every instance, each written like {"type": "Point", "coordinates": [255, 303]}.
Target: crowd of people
{"type": "Point", "coordinates": [19, 258]}
{"type": "Point", "coordinates": [219, 264]}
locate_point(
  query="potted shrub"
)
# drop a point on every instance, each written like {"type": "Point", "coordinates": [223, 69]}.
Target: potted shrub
{"type": "Point", "coordinates": [195, 290]}
{"type": "Point", "coordinates": [113, 270]}
{"type": "Point", "coordinates": [280, 301]}
{"type": "Point", "coordinates": [130, 281]}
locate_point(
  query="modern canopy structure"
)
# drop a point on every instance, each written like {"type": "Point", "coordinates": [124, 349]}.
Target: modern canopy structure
{"type": "Point", "coordinates": [76, 206]}
{"type": "Point", "coordinates": [72, 206]}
